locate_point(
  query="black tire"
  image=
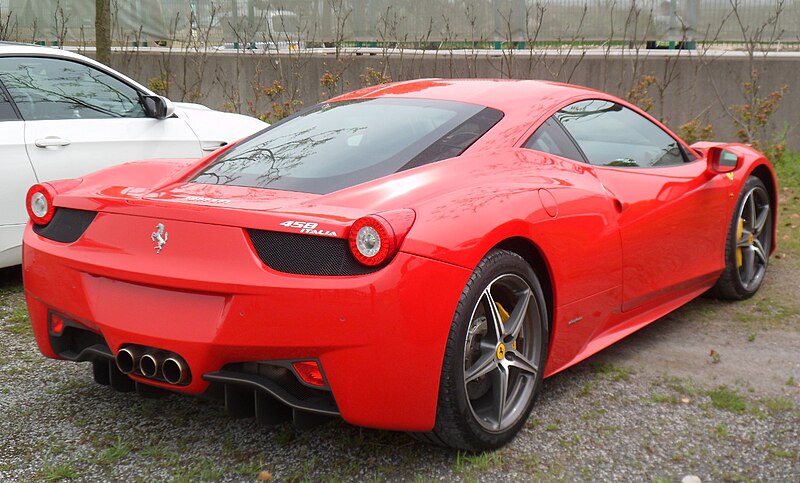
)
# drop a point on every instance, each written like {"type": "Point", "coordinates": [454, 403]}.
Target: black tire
{"type": "Point", "coordinates": [748, 243]}
{"type": "Point", "coordinates": [465, 410]}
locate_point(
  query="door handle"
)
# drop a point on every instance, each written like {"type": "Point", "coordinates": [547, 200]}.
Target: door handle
{"type": "Point", "coordinates": [209, 146]}
{"type": "Point", "coordinates": [51, 142]}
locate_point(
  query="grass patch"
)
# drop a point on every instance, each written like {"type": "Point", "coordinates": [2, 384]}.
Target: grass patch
{"type": "Point", "coordinates": [684, 387]}
{"type": "Point", "coordinates": [115, 452]}
{"type": "Point", "coordinates": [788, 172]}
{"type": "Point", "coordinates": [468, 463]}
{"type": "Point", "coordinates": [727, 399]}
{"type": "Point", "coordinates": [788, 454]}
{"type": "Point", "coordinates": [304, 472]}
{"type": "Point", "coordinates": [778, 404]}
{"type": "Point", "coordinates": [593, 414]}
{"type": "Point", "coordinates": [18, 321]}
{"type": "Point", "coordinates": [611, 372]}
{"type": "Point", "coordinates": [664, 398]}
{"type": "Point", "coordinates": [59, 472]}
{"type": "Point", "coordinates": [204, 470]}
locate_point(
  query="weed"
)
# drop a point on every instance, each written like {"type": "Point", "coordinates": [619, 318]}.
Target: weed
{"type": "Point", "coordinates": [611, 372]}
{"type": "Point", "coordinates": [203, 470]}
{"type": "Point", "coordinates": [467, 463]}
{"type": "Point", "coordinates": [304, 472]}
{"type": "Point", "coordinates": [569, 442]}
{"type": "Point", "coordinates": [681, 386]}
{"type": "Point", "coordinates": [593, 414]}
{"type": "Point", "coordinates": [607, 430]}
{"type": "Point", "coordinates": [155, 451]}
{"type": "Point", "coordinates": [778, 404]}
{"type": "Point", "coordinates": [791, 381]}
{"type": "Point", "coordinates": [285, 435]}
{"type": "Point", "coordinates": [664, 398]}
{"type": "Point", "coordinates": [19, 322]}
{"type": "Point", "coordinates": [59, 472]}
{"type": "Point", "coordinates": [751, 337]}
{"type": "Point", "coordinates": [721, 430]}
{"type": "Point", "coordinates": [551, 427]}
{"type": "Point", "coordinates": [727, 399]}
{"type": "Point", "coordinates": [782, 453]}
{"type": "Point", "coordinates": [118, 450]}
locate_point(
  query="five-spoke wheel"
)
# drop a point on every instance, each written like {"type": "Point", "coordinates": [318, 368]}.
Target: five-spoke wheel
{"type": "Point", "coordinates": [501, 354]}
{"type": "Point", "coordinates": [748, 244]}
{"type": "Point", "coordinates": [751, 237]}
{"type": "Point", "coordinates": [494, 358]}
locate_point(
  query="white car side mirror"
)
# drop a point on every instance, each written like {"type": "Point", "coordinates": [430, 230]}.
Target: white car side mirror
{"type": "Point", "coordinates": [158, 107]}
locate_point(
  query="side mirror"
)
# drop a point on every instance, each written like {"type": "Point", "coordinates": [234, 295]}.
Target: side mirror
{"type": "Point", "coordinates": [722, 161]}
{"type": "Point", "coordinates": [157, 107]}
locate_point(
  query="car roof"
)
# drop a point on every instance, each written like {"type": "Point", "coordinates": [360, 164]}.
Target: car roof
{"type": "Point", "coordinates": [21, 48]}
{"type": "Point", "coordinates": [503, 94]}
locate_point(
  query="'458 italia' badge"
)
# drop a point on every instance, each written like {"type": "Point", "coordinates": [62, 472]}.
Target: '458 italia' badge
{"type": "Point", "coordinates": [160, 237]}
{"type": "Point", "coordinates": [307, 228]}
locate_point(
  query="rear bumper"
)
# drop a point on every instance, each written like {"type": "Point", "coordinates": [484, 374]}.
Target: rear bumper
{"type": "Point", "coordinates": [380, 337]}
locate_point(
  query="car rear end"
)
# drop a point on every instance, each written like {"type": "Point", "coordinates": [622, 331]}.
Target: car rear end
{"type": "Point", "coordinates": [235, 278]}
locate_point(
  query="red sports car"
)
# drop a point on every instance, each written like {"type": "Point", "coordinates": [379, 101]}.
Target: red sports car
{"type": "Point", "coordinates": [414, 256]}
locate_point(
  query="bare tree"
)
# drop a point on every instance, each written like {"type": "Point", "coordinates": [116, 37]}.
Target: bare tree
{"type": "Point", "coordinates": [6, 26]}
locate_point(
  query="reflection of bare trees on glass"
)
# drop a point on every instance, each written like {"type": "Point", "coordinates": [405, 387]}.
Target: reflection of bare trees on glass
{"type": "Point", "coordinates": [55, 89]}
{"type": "Point", "coordinates": [274, 159]}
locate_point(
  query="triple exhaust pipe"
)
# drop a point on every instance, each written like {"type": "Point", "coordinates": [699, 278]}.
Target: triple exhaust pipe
{"type": "Point", "coordinates": [152, 364]}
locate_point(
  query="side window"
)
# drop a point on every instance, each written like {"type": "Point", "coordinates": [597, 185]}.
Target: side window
{"type": "Point", "coordinates": [6, 109]}
{"type": "Point", "coordinates": [551, 138]}
{"type": "Point", "coordinates": [44, 88]}
{"type": "Point", "coordinates": [612, 135]}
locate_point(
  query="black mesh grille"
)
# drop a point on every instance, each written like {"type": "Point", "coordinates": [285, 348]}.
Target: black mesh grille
{"type": "Point", "coordinates": [66, 226]}
{"type": "Point", "coordinates": [306, 254]}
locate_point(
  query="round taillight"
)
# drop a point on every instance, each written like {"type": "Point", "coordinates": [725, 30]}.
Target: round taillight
{"type": "Point", "coordinates": [372, 240]}
{"type": "Point", "coordinates": [39, 202]}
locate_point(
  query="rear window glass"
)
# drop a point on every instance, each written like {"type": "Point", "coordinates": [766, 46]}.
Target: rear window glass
{"type": "Point", "coordinates": [337, 145]}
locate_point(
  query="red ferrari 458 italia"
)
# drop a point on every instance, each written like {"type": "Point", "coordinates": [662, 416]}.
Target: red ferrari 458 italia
{"type": "Point", "coordinates": [413, 256]}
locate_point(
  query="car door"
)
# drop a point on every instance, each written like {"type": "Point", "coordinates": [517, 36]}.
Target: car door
{"type": "Point", "coordinates": [671, 208]}
{"type": "Point", "coordinates": [16, 175]}
{"type": "Point", "coordinates": [79, 118]}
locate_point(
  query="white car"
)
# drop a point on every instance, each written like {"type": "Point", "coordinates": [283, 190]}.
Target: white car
{"type": "Point", "coordinates": [63, 115]}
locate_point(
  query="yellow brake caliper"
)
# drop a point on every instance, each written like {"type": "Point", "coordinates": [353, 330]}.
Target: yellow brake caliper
{"type": "Point", "coordinates": [739, 232]}
{"type": "Point", "coordinates": [504, 315]}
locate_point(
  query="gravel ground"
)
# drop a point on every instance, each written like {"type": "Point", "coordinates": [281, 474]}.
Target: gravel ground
{"type": "Point", "coordinates": [711, 390]}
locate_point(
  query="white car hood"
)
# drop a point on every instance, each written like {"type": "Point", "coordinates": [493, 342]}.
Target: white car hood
{"type": "Point", "coordinates": [215, 128]}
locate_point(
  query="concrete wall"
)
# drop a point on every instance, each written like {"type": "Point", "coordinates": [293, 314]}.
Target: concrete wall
{"type": "Point", "coordinates": [685, 85]}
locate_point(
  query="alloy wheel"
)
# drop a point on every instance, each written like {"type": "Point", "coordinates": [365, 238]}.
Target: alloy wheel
{"type": "Point", "coordinates": [752, 238]}
{"type": "Point", "coordinates": [501, 353]}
